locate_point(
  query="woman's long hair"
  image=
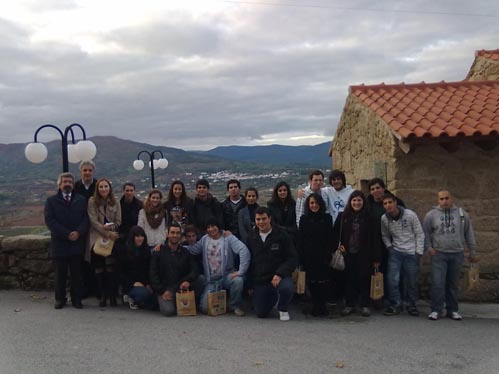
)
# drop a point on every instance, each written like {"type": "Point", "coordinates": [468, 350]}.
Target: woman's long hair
{"type": "Point", "coordinates": [130, 242]}
{"type": "Point", "coordinates": [275, 196]}
{"type": "Point", "coordinates": [349, 212]}
{"type": "Point", "coordinates": [320, 201]}
{"type": "Point", "coordinates": [110, 200]}
{"type": "Point", "coordinates": [171, 197]}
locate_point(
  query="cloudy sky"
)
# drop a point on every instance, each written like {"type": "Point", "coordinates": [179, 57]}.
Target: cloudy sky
{"type": "Point", "coordinates": [202, 73]}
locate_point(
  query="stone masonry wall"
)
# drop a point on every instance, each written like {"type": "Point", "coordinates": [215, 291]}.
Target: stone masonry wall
{"type": "Point", "coordinates": [484, 69]}
{"type": "Point", "coordinates": [472, 176]}
{"type": "Point", "coordinates": [361, 140]}
{"type": "Point", "coordinates": [25, 262]}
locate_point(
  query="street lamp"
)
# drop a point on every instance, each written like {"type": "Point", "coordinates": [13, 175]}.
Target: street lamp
{"type": "Point", "coordinates": [161, 163]}
{"type": "Point", "coordinates": [83, 150]}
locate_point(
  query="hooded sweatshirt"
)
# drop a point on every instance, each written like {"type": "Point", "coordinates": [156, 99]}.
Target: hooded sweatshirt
{"type": "Point", "coordinates": [404, 234]}
{"type": "Point", "coordinates": [446, 230]}
{"type": "Point", "coordinates": [338, 200]}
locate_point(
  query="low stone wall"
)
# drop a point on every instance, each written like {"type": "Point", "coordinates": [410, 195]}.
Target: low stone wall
{"type": "Point", "coordinates": [25, 262]}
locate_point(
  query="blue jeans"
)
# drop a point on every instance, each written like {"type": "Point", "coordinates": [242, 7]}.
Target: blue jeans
{"type": "Point", "coordinates": [233, 286]}
{"type": "Point", "coordinates": [445, 271]}
{"type": "Point", "coordinates": [142, 296]}
{"type": "Point", "coordinates": [266, 296]}
{"type": "Point", "coordinates": [407, 265]}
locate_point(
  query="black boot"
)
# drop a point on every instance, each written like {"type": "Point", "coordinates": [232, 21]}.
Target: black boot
{"type": "Point", "coordinates": [111, 286]}
{"type": "Point", "coordinates": [99, 277]}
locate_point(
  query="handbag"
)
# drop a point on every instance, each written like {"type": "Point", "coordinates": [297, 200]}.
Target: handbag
{"type": "Point", "coordinates": [186, 303]}
{"type": "Point", "coordinates": [337, 261]}
{"type": "Point", "coordinates": [103, 247]}
{"type": "Point", "coordinates": [377, 288]}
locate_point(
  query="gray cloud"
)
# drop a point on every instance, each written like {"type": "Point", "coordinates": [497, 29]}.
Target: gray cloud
{"type": "Point", "coordinates": [239, 77]}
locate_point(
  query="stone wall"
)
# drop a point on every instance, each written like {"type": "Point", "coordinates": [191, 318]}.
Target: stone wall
{"type": "Point", "coordinates": [25, 262]}
{"type": "Point", "coordinates": [471, 174]}
{"type": "Point", "coordinates": [362, 140]}
{"type": "Point", "coordinates": [484, 69]}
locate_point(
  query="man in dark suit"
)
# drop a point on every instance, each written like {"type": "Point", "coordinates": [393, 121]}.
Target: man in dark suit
{"type": "Point", "coordinates": [67, 219]}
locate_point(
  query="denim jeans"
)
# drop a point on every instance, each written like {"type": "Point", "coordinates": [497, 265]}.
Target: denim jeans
{"type": "Point", "coordinates": [445, 271]}
{"type": "Point", "coordinates": [405, 265]}
{"type": "Point", "coordinates": [234, 286]}
{"type": "Point", "coordinates": [142, 296]}
{"type": "Point", "coordinates": [266, 296]}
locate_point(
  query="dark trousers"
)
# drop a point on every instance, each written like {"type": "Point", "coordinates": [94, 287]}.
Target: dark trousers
{"type": "Point", "coordinates": [357, 282]}
{"type": "Point", "coordinates": [266, 296]}
{"type": "Point", "coordinates": [62, 264]}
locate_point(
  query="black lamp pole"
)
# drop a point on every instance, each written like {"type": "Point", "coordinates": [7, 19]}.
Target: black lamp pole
{"type": "Point", "coordinates": [64, 137]}
{"type": "Point", "coordinates": [151, 164]}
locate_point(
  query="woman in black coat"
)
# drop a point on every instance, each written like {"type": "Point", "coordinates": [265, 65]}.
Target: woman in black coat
{"type": "Point", "coordinates": [356, 235]}
{"type": "Point", "coordinates": [282, 208]}
{"type": "Point", "coordinates": [134, 264]}
{"type": "Point", "coordinates": [315, 239]}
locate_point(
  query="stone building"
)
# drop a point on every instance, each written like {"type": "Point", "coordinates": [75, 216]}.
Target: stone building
{"type": "Point", "coordinates": [428, 136]}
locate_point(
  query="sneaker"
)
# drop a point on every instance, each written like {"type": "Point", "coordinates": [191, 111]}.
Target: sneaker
{"type": "Point", "coordinates": [365, 312]}
{"type": "Point", "coordinates": [392, 311]}
{"type": "Point", "coordinates": [132, 304]}
{"type": "Point", "coordinates": [433, 316]}
{"type": "Point", "coordinates": [284, 316]}
{"type": "Point", "coordinates": [413, 311]}
{"type": "Point", "coordinates": [455, 316]}
{"type": "Point", "coordinates": [347, 311]}
{"type": "Point", "coordinates": [239, 312]}
{"type": "Point", "coordinates": [126, 299]}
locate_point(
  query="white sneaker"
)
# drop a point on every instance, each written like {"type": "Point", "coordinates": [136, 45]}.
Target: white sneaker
{"type": "Point", "coordinates": [456, 316]}
{"type": "Point", "coordinates": [125, 299]}
{"type": "Point", "coordinates": [132, 304]}
{"type": "Point", "coordinates": [433, 316]}
{"type": "Point", "coordinates": [284, 316]}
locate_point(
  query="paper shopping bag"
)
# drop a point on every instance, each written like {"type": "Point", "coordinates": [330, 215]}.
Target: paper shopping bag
{"type": "Point", "coordinates": [186, 303]}
{"type": "Point", "coordinates": [377, 290]}
{"type": "Point", "coordinates": [299, 278]}
{"type": "Point", "coordinates": [103, 247]}
{"type": "Point", "coordinates": [471, 277]}
{"type": "Point", "coordinates": [217, 303]}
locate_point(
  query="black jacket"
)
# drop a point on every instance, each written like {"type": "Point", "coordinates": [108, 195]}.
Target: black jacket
{"type": "Point", "coordinates": [230, 214]}
{"type": "Point", "coordinates": [276, 256]}
{"type": "Point", "coordinates": [370, 247]}
{"type": "Point", "coordinates": [170, 268]}
{"type": "Point", "coordinates": [315, 244]}
{"type": "Point", "coordinates": [202, 210]}
{"type": "Point", "coordinates": [129, 215]}
{"type": "Point", "coordinates": [79, 188]}
{"type": "Point", "coordinates": [284, 218]}
{"type": "Point", "coordinates": [134, 266]}
{"type": "Point", "coordinates": [61, 219]}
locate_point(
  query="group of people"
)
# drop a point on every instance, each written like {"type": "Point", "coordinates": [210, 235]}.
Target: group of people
{"type": "Point", "coordinates": [160, 248]}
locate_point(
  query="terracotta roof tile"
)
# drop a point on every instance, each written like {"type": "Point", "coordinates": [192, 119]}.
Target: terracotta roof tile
{"type": "Point", "coordinates": [436, 110]}
{"type": "Point", "coordinates": [490, 55]}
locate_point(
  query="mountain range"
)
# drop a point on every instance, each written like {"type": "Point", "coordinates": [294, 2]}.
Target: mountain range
{"type": "Point", "coordinates": [25, 184]}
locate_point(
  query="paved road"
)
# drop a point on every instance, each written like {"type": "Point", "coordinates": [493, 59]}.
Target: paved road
{"type": "Point", "coordinates": [35, 338]}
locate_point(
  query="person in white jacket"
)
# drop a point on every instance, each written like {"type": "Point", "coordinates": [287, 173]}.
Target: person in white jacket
{"type": "Point", "coordinates": [338, 192]}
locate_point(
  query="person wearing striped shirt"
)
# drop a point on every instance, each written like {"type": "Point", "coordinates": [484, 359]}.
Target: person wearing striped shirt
{"type": "Point", "coordinates": [404, 238]}
{"type": "Point", "coordinates": [315, 182]}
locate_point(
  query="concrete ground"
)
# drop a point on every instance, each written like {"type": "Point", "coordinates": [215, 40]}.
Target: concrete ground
{"type": "Point", "coordinates": [35, 338]}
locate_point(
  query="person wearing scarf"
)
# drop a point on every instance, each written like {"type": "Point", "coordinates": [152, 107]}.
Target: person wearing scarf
{"type": "Point", "coordinates": [152, 219]}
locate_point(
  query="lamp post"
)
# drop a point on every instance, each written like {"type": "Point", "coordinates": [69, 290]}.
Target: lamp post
{"type": "Point", "coordinates": [161, 163]}
{"type": "Point", "coordinates": [83, 150]}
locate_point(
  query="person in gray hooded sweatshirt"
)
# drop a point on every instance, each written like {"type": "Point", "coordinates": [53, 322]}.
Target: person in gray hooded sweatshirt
{"type": "Point", "coordinates": [447, 231]}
